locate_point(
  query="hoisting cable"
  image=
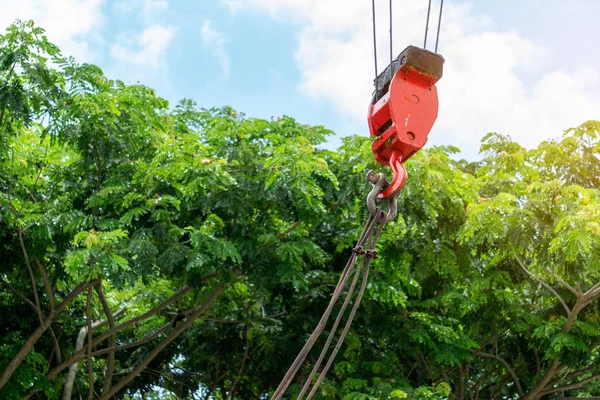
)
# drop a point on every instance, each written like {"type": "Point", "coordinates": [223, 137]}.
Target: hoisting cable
{"type": "Point", "coordinates": [365, 236]}
{"type": "Point", "coordinates": [368, 255]}
{"type": "Point", "coordinates": [437, 39]}
{"type": "Point", "coordinates": [365, 247]}
{"type": "Point", "coordinates": [338, 345]}
{"type": "Point", "coordinates": [391, 42]}
{"type": "Point", "coordinates": [374, 39]}
{"type": "Point", "coordinates": [426, 24]}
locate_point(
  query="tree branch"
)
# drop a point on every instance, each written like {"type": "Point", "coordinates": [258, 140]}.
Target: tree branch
{"type": "Point", "coordinates": [29, 303]}
{"type": "Point", "coordinates": [554, 366]}
{"type": "Point", "coordinates": [246, 349]}
{"type": "Point", "coordinates": [591, 294]}
{"type": "Point", "coordinates": [571, 386]}
{"type": "Point", "coordinates": [569, 376]}
{"type": "Point", "coordinates": [110, 364]}
{"type": "Point", "coordinates": [593, 290]}
{"type": "Point", "coordinates": [31, 276]}
{"type": "Point", "coordinates": [33, 338]}
{"type": "Point", "coordinates": [541, 282]}
{"type": "Point", "coordinates": [77, 355]}
{"type": "Point", "coordinates": [510, 369]}
{"type": "Point", "coordinates": [133, 344]}
{"type": "Point", "coordinates": [72, 374]}
{"type": "Point", "coordinates": [57, 349]}
{"type": "Point", "coordinates": [47, 286]}
{"type": "Point", "coordinates": [289, 230]}
{"type": "Point", "coordinates": [18, 295]}
{"type": "Point", "coordinates": [164, 343]}
{"type": "Point", "coordinates": [427, 368]}
{"type": "Point", "coordinates": [562, 282]}
{"type": "Point", "coordinates": [88, 313]}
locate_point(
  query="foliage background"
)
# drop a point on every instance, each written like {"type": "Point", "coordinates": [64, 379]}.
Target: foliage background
{"type": "Point", "coordinates": [152, 251]}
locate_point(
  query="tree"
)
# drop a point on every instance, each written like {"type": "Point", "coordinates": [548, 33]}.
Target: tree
{"type": "Point", "coordinates": [130, 197]}
{"type": "Point", "coordinates": [538, 232]}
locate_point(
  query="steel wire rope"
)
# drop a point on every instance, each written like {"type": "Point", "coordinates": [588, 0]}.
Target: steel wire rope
{"type": "Point", "coordinates": [374, 41]}
{"type": "Point", "coordinates": [368, 257]}
{"type": "Point", "coordinates": [333, 330]}
{"type": "Point", "coordinates": [437, 39]}
{"type": "Point", "coordinates": [287, 379]}
{"type": "Point", "coordinates": [391, 43]}
{"type": "Point", "coordinates": [427, 24]}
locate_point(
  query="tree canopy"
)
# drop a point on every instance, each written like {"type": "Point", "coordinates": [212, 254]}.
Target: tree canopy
{"type": "Point", "coordinates": [178, 252]}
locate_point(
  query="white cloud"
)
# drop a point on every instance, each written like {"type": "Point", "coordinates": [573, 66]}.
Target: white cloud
{"type": "Point", "coordinates": [67, 22]}
{"type": "Point", "coordinates": [147, 49]}
{"type": "Point", "coordinates": [148, 7]}
{"type": "Point", "coordinates": [482, 89]}
{"type": "Point", "coordinates": [215, 41]}
{"type": "Point", "coordinates": [155, 5]}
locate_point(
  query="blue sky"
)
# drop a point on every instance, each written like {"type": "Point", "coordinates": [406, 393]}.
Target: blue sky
{"type": "Point", "coordinates": [527, 68]}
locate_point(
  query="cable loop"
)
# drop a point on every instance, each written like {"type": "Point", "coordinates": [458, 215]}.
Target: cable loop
{"type": "Point", "coordinates": [371, 253]}
{"type": "Point", "coordinates": [359, 250]}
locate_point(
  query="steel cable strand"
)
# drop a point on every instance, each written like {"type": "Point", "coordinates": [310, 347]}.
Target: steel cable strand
{"type": "Point", "coordinates": [291, 373]}
{"type": "Point", "coordinates": [427, 25]}
{"type": "Point", "coordinates": [374, 40]}
{"type": "Point", "coordinates": [370, 254]}
{"type": "Point", "coordinates": [437, 39]}
{"type": "Point", "coordinates": [333, 330]}
{"type": "Point", "coordinates": [391, 43]}
{"type": "Point", "coordinates": [340, 341]}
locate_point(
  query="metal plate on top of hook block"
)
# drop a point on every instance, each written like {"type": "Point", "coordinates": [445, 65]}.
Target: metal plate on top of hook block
{"type": "Point", "coordinates": [427, 64]}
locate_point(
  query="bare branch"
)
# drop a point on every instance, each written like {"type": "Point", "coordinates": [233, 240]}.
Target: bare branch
{"type": "Point", "coordinates": [72, 374]}
{"type": "Point", "coordinates": [164, 343]}
{"type": "Point", "coordinates": [150, 313]}
{"type": "Point", "coordinates": [289, 230]}
{"type": "Point", "coordinates": [33, 338]}
{"type": "Point", "coordinates": [29, 303]}
{"type": "Point", "coordinates": [31, 276]}
{"type": "Point", "coordinates": [78, 355]}
{"type": "Point", "coordinates": [562, 282]}
{"type": "Point", "coordinates": [47, 286]}
{"type": "Point", "coordinates": [134, 344]}
{"type": "Point", "coordinates": [503, 361]}
{"type": "Point", "coordinates": [569, 376]}
{"type": "Point", "coordinates": [591, 294]}
{"type": "Point", "coordinates": [18, 295]}
{"type": "Point", "coordinates": [246, 349]}
{"type": "Point", "coordinates": [424, 361]}
{"type": "Point", "coordinates": [88, 313]}
{"type": "Point", "coordinates": [57, 349]}
{"type": "Point", "coordinates": [571, 386]}
{"type": "Point", "coordinates": [594, 289]}
{"type": "Point", "coordinates": [544, 284]}
{"type": "Point", "coordinates": [110, 364]}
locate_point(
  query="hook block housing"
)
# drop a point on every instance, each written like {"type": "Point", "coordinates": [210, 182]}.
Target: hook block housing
{"type": "Point", "coordinates": [404, 108]}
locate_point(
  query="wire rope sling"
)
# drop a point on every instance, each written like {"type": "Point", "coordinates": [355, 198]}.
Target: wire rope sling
{"type": "Point", "coordinates": [401, 113]}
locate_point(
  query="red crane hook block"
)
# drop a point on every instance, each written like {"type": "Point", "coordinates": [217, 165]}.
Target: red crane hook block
{"type": "Point", "coordinates": [403, 110]}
